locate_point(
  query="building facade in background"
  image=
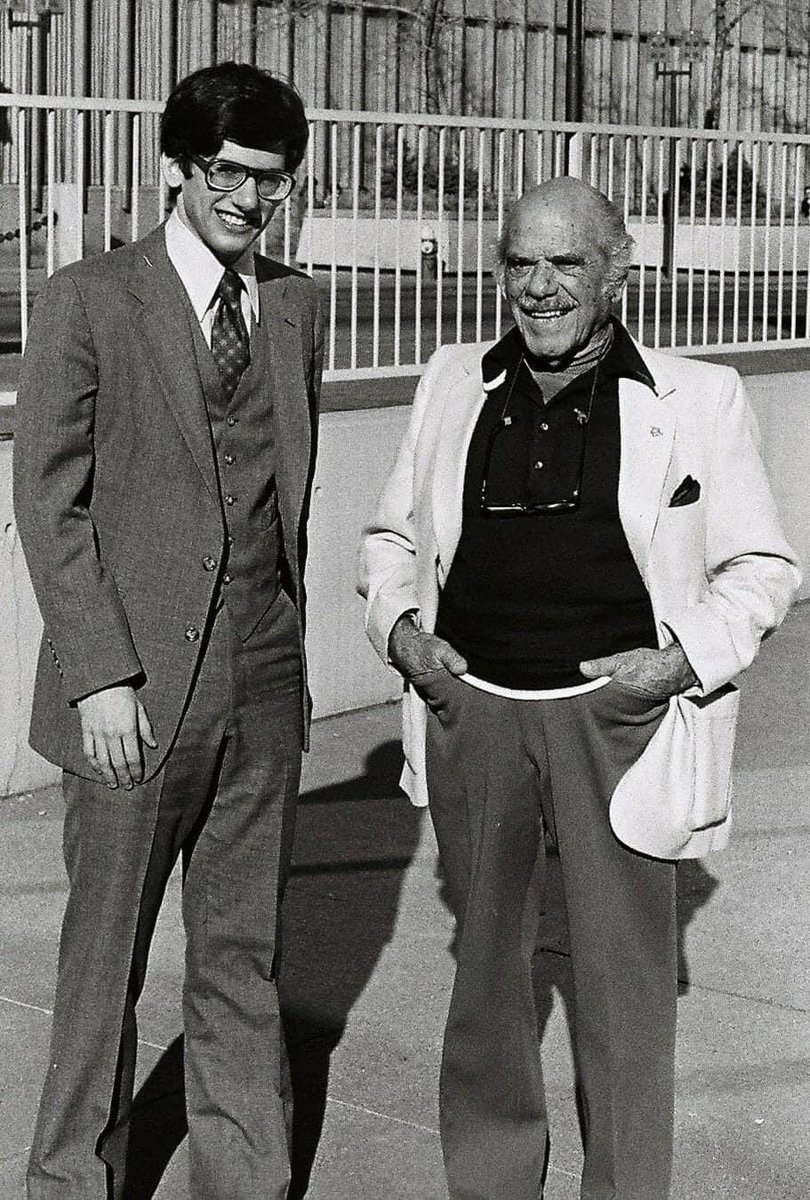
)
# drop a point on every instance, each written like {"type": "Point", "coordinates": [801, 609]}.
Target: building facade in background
{"type": "Point", "coordinates": [491, 58]}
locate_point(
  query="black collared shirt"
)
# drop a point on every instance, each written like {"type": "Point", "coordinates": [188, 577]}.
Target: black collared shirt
{"type": "Point", "coordinates": [528, 597]}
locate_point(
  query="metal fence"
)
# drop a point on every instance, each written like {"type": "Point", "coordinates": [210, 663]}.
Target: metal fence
{"type": "Point", "coordinates": [397, 215]}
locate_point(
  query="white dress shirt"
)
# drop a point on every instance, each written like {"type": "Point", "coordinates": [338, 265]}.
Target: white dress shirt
{"type": "Point", "coordinates": [201, 274]}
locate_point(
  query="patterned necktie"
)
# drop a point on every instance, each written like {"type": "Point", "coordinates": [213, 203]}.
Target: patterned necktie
{"type": "Point", "coordinates": [229, 335]}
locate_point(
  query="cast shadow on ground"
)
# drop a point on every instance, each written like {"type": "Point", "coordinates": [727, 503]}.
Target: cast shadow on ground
{"type": "Point", "coordinates": [354, 842]}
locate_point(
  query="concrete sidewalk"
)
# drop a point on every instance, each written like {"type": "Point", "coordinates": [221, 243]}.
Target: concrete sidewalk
{"type": "Point", "coordinates": [368, 974]}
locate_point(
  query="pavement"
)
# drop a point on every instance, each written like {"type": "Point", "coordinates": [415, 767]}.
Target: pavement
{"type": "Point", "coordinates": [368, 971]}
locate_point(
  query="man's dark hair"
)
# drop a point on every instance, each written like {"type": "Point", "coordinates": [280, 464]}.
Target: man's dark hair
{"type": "Point", "coordinates": [233, 102]}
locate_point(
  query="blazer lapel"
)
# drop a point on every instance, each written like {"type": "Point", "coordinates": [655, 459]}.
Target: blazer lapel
{"type": "Point", "coordinates": [279, 328]}
{"type": "Point", "coordinates": [463, 402]}
{"type": "Point", "coordinates": [165, 325]}
{"type": "Point", "coordinates": [647, 437]}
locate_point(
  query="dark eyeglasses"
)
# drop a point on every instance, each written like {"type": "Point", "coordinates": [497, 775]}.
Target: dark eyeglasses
{"type": "Point", "coordinates": [224, 176]}
{"type": "Point", "coordinates": [516, 508]}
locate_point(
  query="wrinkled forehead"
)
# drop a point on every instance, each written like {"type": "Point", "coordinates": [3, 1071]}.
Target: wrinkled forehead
{"type": "Point", "coordinates": [545, 228]}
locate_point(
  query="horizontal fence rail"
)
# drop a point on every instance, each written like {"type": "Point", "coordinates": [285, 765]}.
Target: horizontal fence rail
{"type": "Point", "coordinates": [398, 217]}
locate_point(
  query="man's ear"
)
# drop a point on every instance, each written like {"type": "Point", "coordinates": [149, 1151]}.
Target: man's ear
{"type": "Point", "coordinates": [172, 171]}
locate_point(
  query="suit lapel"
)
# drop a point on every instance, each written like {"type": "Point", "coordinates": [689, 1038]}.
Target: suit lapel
{"type": "Point", "coordinates": [279, 329]}
{"type": "Point", "coordinates": [463, 402]}
{"type": "Point", "coordinates": [647, 437]}
{"type": "Point", "coordinates": [164, 323]}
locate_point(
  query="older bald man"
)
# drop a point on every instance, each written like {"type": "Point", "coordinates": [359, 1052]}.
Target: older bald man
{"type": "Point", "coordinates": [575, 554]}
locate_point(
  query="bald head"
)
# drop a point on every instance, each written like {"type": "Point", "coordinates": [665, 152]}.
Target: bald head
{"type": "Point", "coordinates": [562, 259]}
{"type": "Point", "coordinates": [588, 210]}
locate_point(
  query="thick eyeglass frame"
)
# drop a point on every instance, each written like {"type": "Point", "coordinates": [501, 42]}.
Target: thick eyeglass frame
{"type": "Point", "coordinates": [259, 174]}
{"type": "Point", "coordinates": [517, 509]}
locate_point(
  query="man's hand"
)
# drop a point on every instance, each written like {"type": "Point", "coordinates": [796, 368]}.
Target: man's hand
{"type": "Point", "coordinates": [662, 673]}
{"type": "Point", "coordinates": [414, 652]}
{"type": "Point", "coordinates": [114, 726]}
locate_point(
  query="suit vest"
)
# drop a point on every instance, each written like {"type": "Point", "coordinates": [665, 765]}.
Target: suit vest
{"type": "Point", "coordinates": [242, 434]}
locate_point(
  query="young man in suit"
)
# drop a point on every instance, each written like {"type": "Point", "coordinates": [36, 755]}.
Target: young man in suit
{"type": "Point", "coordinates": [576, 552]}
{"type": "Point", "coordinates": [164, 455]}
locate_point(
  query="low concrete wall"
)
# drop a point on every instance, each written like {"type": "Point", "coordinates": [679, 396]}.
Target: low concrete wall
{"type": "Point", "coordinates": [366, 242]}
{"type": "Point", "coordinates": [356, 450]}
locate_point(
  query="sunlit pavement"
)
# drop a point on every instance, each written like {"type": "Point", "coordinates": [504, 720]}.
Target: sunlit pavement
{"type": "Point", "coordinates": [368, 973]}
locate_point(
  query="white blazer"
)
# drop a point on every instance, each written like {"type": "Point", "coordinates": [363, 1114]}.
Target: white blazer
{"type": "Point", "coordinates": [719, 571]}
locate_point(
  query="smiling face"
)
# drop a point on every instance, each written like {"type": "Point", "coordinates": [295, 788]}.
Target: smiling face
{"type": "Point", "coordinates": [555, 270]}
{"type": "Point", "coordinates": [227, 222]}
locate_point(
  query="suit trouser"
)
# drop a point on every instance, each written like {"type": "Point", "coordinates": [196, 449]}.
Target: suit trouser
{"type": "Point", "coordinates": [505, 775]}
{"type": "Point", "coordinates": [225, 799]}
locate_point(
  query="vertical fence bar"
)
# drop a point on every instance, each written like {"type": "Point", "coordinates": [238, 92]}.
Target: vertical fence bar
{"type": "Point", "coordinates": [440, 234]}
{"type": "Point", "coordinates": [707, 213]}
{"type": "Point", "coordinates": [500, 186]}
{"type": "Point", "coordinates": [420, 216]}
{"type": "Point", "coordinates": [107, 158]}
{"type": "Point", "coordinates": [735, 324]}
{"type": "Point", "coordinates": [398, 265]}
{"type": "Point", "coordinates": [22, 213]}
{"type": "Point", "coordinates": [752, 238]}
{"type": "Point", "coordinates": [628, 151]}
{"type": "Point", "coordinates": [162, 196]}
{"type": "Point", "coordinates": [333, 208]}
{"type": "Point", "coordinates": [310, 212]}
{"type": "Point", "coordinates": [721, 295]}
{"type": "Point", "coordinates": [479, 242]}
{"type": "Point", "coordinates": [462, 167]}
{"type": "Point", "coordinates": [375, 296]}
{"type": "Point", "coordinates": [798, 173]}
{"type": "Point", "coordinates": [674, 152]}
{"type": "Point", "coordinates": [766, 249]}
{"type": "Point", "coordinates": [50, 176]}
{"type": "Point", "coordinates": [659, 272]}
{"type": "Point", "coordinates": [780, 269]}
{"type": "Point", "coordinates": [807, 295]}
{"type": "Point", "coordinates": [135, 201]}
{"type": "Point", "coordinates": [642, 269]}
{"type": "Point", "coordinates": [356, 144]}
{"type": "Point", "coordinates": [81, 181]}
{"type": "Point", "coordinates": [690, 269]}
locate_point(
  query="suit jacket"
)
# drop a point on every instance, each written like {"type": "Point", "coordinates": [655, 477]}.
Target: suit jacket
{"type": "Point", "coordinates": [718, 569]}
{"type": "Point", "coordinates": [116, 491]}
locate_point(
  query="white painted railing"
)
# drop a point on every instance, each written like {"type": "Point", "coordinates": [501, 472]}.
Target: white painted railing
{"type": "Point", "coordinates": [397, 215]}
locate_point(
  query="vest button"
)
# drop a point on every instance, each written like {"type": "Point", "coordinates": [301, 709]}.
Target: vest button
{"type": "Point", "coordinates": [209, 563]}
{"type": "Point", "coordinates": [229, 460]}
{"type": "Point", "coordinates": [231, 421]}
{"type": "Point", "coordinates": [229, 499]}
{"type": "Point", "coordinates": [192, 633]}
{"type": "Point", "coordinates": [226, 578]}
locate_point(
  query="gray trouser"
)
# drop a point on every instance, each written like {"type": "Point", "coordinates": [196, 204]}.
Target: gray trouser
{"type": "Point", "coordinates": [225, 800]}
{"type": "Point", "coordinates": [504, 777]}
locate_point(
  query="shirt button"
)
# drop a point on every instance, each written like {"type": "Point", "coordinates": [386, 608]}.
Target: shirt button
{"type": "Point", "coordinates": [230, 539]}
{"type": "Point", "coordinates": [229, 460]}
{"type": "Point", "coordinates": [209, 563]}
{"type": "Point", "coordinates": [538, 466]}
{"type": "Point", "coordinates": [544, 426]}
{"type": "Point", "coordinates": [229, 499]}
{"type": "Point", "coordinates": [192, 633]}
